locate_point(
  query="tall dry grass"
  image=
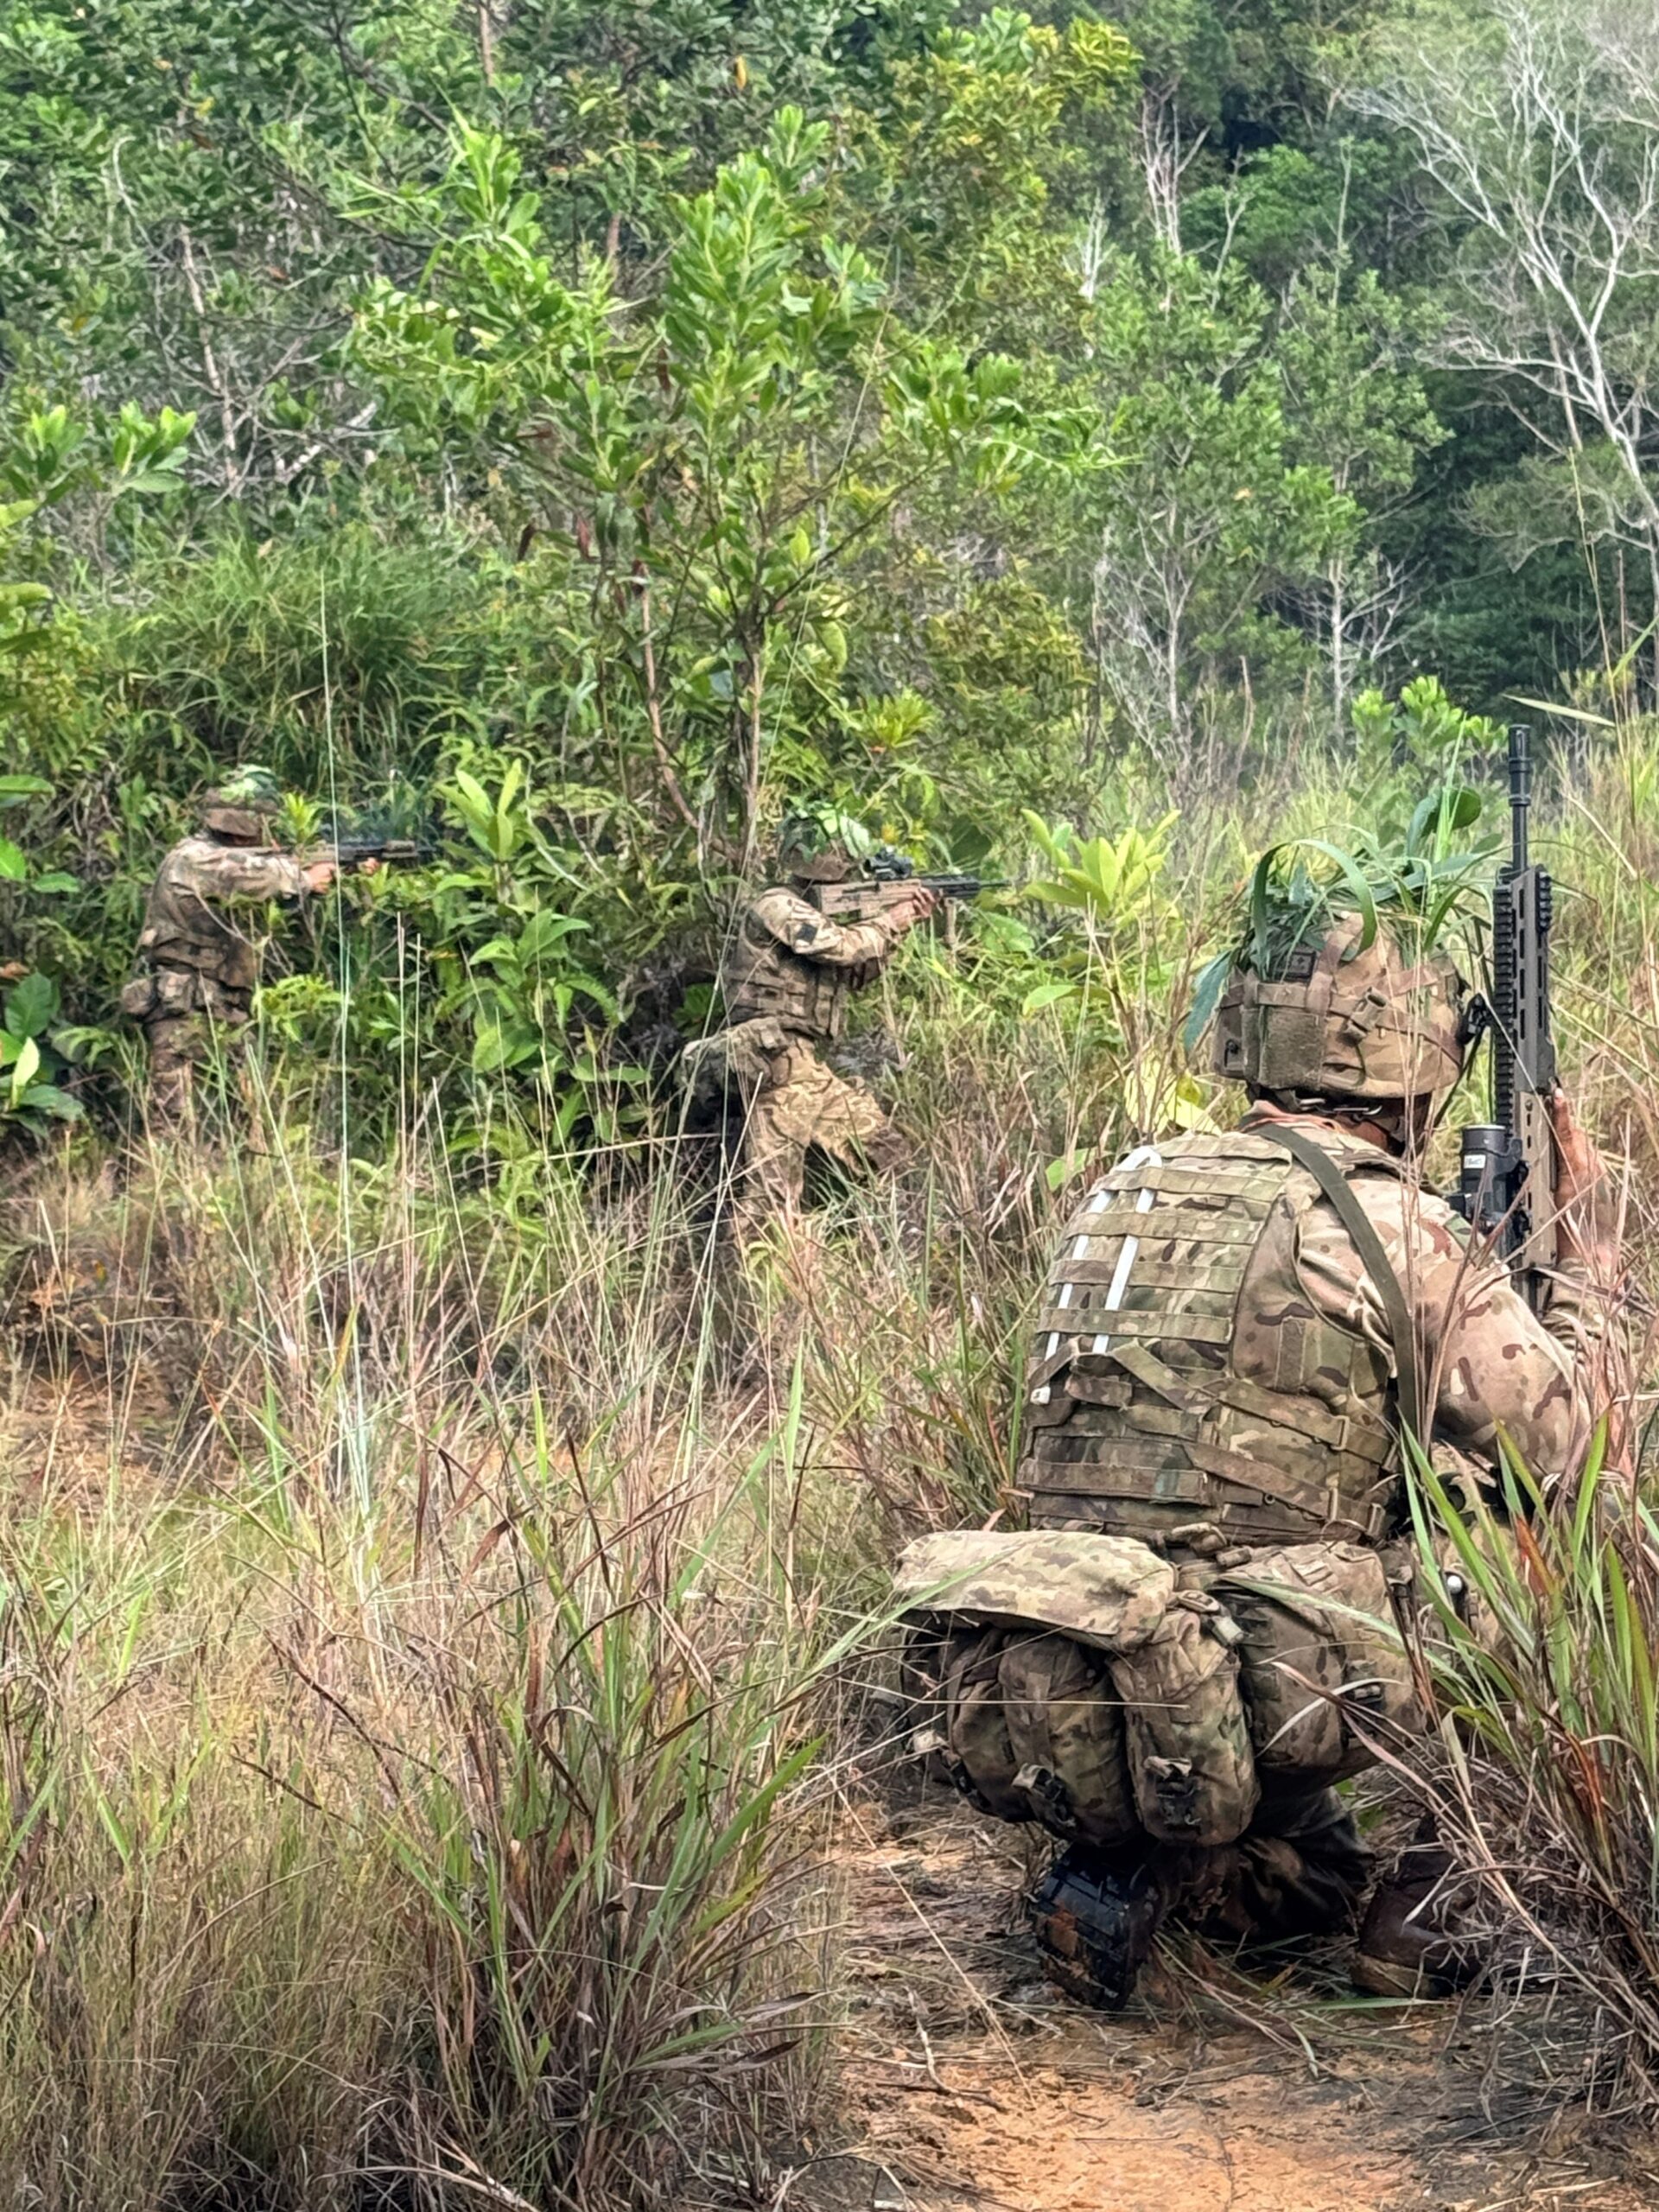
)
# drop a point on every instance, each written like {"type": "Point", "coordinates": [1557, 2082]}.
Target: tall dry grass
{"type": "Point", "coordinates": [424, 1595]}
{"type": "Point", "coordinates": [423, 1609]}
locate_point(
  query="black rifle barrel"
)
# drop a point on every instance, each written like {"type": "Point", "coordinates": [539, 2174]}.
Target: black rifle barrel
{"type": "Point", "coordinates": [1506, 955]}
{"type": "Point", "coordinates": [1520, 792]}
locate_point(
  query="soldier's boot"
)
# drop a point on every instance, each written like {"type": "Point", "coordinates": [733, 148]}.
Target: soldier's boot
{"type": "Point", "coordinates": [1409, 1944]}
{"type": "Point", "coordinates": [1095, 1916]}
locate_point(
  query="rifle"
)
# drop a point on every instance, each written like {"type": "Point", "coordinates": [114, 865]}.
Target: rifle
{"type": "Point", "coordinates": [887, 879]}
{"type": "Point", "coordinates": [374, 840]}
{"type": "Point", "coordinates": [1506, 1177]}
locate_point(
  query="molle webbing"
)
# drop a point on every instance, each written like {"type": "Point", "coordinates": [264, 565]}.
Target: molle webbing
{"type": "Point", "coordinates": [1164, 1258]}
{"type": "Point", "coordinates": [762, 979]}
{"type": "Point", "coordinates": [1135, 1405]}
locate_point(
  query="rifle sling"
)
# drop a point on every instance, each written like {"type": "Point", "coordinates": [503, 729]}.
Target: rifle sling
{"type": "Point", "coordinates": [1335, 1186]}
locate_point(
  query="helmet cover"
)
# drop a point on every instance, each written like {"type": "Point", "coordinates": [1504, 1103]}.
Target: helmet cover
{"type": "Point", "coordinates": [1345, 1019]}
{"type": "Point", "coordinates": [242, 805]}
{"type": "Point", "coordinates": [818, 845]}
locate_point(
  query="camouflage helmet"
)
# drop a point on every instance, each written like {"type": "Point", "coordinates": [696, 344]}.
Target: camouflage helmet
{"type": "Point", "coordinates": [1345, 1019]}
{"type": "Point", "coordinates": [242, 804]}
{"type": "Point", "coordinates": [817, 845]}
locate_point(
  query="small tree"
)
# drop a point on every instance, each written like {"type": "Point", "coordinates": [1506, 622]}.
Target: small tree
{"type": "Point", "coordinates": [707, 457]}
{"type": "Point", "coordinates": [1212, 515]}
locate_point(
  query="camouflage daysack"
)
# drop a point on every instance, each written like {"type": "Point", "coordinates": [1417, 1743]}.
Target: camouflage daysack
{"type": "Point", "coordinates": [1064, 1679]}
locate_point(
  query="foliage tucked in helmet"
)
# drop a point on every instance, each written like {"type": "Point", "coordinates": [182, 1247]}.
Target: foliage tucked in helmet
{"type": "Point", "coordinates": [819, 844]}
{"type": "Point", "coordinates": [241, 805]}
{"type": "Point", "coordinates": [1343, 987]}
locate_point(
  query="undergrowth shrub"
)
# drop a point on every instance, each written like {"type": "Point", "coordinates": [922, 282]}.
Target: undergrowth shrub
{"type": "Point", "coordinates": [1544, 1656]}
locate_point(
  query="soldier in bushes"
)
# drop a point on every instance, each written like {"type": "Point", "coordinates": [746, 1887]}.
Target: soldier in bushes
{"type": "Point", "coordinates": [1234, 1330]}
{"type": "Point", "coordinates": [785, 984]}
{"type": "Point", "coordinates": [199, 955]}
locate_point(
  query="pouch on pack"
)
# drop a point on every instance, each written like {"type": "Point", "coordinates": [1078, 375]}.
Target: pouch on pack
{"type": "Point", "coordinates": [1188, 1739]}
{"type": "Point", "coordinates": [979, 1755]}
{"type": "Point", "coordinates": [1321, 1662]}
{"type": "Point", "coordinates": [1066, 1726]}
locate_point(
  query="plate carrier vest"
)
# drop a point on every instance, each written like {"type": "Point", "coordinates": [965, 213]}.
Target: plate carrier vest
{"type": "Point", "coordinates": [1159, 1395]}
{"type": "Point", "coordinates": [762, 977]}
{"type": "Point", "coordinates": [184, 930]}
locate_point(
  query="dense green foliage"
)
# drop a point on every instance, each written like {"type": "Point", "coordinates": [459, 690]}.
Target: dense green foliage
{"type": "Point", "coordinates": [603, 425]}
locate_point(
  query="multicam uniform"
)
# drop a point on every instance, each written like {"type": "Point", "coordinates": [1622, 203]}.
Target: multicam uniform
{"type": "Point", "coordinates": [1231, 1333]}
{"type": "Point", "coordinates": [1240, 1373]}
{"type": "Point", "coordinates": [786, 985]}
{"type": "Point", "coordinates": [199, 962]}
{"type": "Point", "coordinates": [1214, 1373]}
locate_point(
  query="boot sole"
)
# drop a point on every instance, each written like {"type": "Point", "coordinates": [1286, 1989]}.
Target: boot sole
{"type": "Point", "coordinates": [1386, 1978]}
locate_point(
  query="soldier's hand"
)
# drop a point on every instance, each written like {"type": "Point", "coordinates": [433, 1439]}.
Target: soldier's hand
{"type": "Point", "coordinates": [918, 904]}
{"type": "Point", "coordinates": [369, 867]}
{"type": "Point", "coordinates": [319, 874]}
{"type": "Point", "coordinates": [1578, 1164]}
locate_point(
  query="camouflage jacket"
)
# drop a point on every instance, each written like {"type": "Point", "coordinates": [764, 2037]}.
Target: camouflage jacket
{"type": "Point", "coordinates": [1491, 1363]}
{"type": "Point", "coordinates": [797, 966]}
{"type": "Point", "coordinates": [192, 920]}
{"type": "Point", "coordinates": [1211, 1349]}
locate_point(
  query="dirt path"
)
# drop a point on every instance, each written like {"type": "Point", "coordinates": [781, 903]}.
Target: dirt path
{"type": "Point", "coordinates": [967, 2086]}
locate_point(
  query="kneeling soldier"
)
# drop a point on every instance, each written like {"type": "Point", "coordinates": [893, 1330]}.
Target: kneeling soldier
{"type": "Point", "coordinates": [785, 984]}
{"type": "Point", "coordinates": [1234, 1330]}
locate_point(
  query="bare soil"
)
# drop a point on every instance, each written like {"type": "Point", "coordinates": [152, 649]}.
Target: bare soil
{"type": "Point", "coordinates": [967, 2085]}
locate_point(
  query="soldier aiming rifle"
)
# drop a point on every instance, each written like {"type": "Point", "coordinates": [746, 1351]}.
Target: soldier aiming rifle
{"type": "Point", "coordinates": [800, 950]}
{"type": "Point", "coordinates": [199, 955]}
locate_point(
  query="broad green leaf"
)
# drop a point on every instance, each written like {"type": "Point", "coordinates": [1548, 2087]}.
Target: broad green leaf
{"type": "Point", "coordinates": [1046, 995]}
{"type": "Point", "coordinates": [25, 1068]}
{"type": "Point", "coordinates": [46, 1098]}
{"type": "Point", "coordinates": [31, 1006]}
{"type": "Point", "coordinates": [1059, 1172]}
{"type": "Point", "coordinates": [1206, 997]}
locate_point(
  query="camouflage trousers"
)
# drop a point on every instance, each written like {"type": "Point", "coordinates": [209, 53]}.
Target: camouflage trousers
{"type": "Point", "coordinates": [181, 1047]}
{"type": "Point", "coordinates": [1299, 1869]}
{"type": "Point", "coordinates": [801, 1105]}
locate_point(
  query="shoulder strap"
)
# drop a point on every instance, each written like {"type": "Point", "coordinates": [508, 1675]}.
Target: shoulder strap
{"type": "Point", "coordinates": [1354, 1218]}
